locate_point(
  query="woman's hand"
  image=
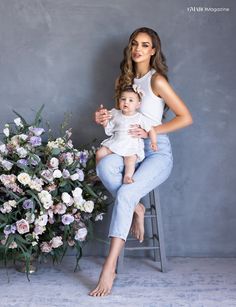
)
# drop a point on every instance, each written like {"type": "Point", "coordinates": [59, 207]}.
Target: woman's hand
{"type": "Point", "coordinates": [102, 116]}
{"type": "Point", "coordinates": [137, 132]}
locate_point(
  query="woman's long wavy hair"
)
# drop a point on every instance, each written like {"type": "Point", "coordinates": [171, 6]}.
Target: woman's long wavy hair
{"type": "Point", "coordinates": [127, 67]}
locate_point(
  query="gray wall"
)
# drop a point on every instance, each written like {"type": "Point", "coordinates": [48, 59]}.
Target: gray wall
{"type": "Point", "coordinates": [66, 54]}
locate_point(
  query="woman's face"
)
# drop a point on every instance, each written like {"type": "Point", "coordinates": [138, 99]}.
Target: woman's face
{"type": "Point", "coordinates": [142, 50]}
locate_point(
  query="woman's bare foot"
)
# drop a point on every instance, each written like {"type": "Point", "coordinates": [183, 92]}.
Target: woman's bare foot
{"type": "Point", "coordinates": [137, 227]}
{"type": "Point", "coordinates": [105, 283]}
{"type": "Point", "coordinates": [127, 179]}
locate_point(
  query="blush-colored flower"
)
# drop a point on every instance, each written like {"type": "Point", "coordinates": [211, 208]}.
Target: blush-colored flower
{"type": "Point", "coordinates": [56, 242]}
{"type": "Point", "coordinates": [22, 226]}
{"type": "Point", "coordinates": [59, 208]}
{"type": "Point", "coordinates": [45, 247]}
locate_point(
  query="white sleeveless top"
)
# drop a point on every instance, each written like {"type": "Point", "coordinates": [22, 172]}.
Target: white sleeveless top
{"type": "Point", "coordinates": [152, 106]}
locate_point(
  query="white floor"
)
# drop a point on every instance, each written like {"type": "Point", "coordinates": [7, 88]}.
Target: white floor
{"type": "Point", "coordinates": [199, 282]}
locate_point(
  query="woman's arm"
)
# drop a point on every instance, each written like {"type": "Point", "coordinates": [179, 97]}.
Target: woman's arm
{"type": "Point", "coordinates": [183, 118]}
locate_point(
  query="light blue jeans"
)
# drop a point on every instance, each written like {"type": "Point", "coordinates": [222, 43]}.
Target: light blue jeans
{"type": "Point", "coordinates": [150, 173]}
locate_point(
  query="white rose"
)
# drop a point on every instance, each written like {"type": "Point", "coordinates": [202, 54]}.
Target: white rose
{"type": "Point", "coordinates": [22, 153]}
{"type": "Point", "coordinates": [3, 149]}
{"type": "Point", "coordinates": [99, 217]}
{"type": "Point", "coordinates": [42, 220]}
{"type": "Point", "coordinates": [66, 198]}
{"type": "Point", "coordinates": [18, 122]}
{"type": "Point", "coordinates": [7, 165]}
{"type": "Point", "coordinates": [77, 192]}
{"type": "Point", "coordinates": [57, 174]}
{"type": "Point", "coordinates": [24, 178]}
{"type": "Point", "coordinates": [46, 199]}
{"type": "Point", "coordinates": [6, 131]}
{"type": "Point", "coordinates": [74, 177]}
{"type": "Point", "coordinates": [54, 162]}
{"type": "Point", "coordinates": [30, 217]}
{"type": "Point", "coordinates": [81, 234]}
{"type": "Point", "coordinates": [88, 206]}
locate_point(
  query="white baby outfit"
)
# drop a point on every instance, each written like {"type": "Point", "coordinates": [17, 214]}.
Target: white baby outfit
{"type": "Point", "coordinates": [121, 142]}
{"type": "Point", "coordinates": [151, 109]}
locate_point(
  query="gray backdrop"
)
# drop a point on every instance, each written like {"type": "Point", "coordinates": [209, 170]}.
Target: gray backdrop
{"type": "Point", "coordinates": [66, 54]}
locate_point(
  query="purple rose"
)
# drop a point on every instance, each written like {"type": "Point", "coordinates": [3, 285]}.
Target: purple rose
{"type": "Point", "coordinates": [28, 204]}
{"type": "Point", "coordinates": [35, 141]}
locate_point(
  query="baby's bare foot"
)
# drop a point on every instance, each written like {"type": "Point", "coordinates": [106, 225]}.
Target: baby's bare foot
{"type": "Point", "coordinates": [105, 283]}
{"type": "Point", "coordinates": [137, 227]}
{"type": "Point", "coordinates": [127, 179]}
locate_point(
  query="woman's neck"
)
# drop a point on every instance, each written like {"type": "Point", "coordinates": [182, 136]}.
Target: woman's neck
{"type": "Point", "coordinates": [141, 69]}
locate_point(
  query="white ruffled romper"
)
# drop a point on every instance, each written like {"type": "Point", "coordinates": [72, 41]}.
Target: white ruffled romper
{"type": "Point", "coordinates": [121, 142]}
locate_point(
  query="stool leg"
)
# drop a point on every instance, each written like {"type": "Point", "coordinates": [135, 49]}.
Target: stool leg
{"type": "Point", "coordinates": [120, 262]}
{"type": "Point", "coordinates": [154, 226]}
{"type": "Point", "coordinates": [160, 231]}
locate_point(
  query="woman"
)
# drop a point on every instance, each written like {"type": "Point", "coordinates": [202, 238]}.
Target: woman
{"type": "Point", "coordinates": [143, 64]}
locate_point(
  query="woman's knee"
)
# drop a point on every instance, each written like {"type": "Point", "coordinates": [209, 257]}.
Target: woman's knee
{"type": "Point", "coordinates": [110, 165]}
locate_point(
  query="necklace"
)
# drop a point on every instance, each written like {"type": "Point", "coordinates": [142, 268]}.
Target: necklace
{"type": "Point", "coordinates": [140, 75]}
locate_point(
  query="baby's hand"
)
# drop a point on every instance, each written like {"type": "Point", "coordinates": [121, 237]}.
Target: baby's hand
{"type": "Point", "coordinates": [154, 146]}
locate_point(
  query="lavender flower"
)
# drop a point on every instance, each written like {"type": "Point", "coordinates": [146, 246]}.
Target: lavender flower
{"type": "Point", "coordinates": [83, 158]}
{"type": "Point", "coordinates": [28, 204]}
{"type": "Point", "coordinates": [35, 141]}
{"type": "Point", "coordinates": [67, 219]}
{"type": "Point", "coordinates": [8, 229]}
{"type": "Point", "coordinates": [22, 161]}
{"type": "Point", "coordinates": [81, 174]}
{"type": "Point", "coordinates": [65, 173]}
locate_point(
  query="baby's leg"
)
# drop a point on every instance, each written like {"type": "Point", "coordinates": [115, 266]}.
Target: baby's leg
{"type": "Point", "coordinates": [102, 152]}
{"type": "Point", "coordinates": [129, 162]}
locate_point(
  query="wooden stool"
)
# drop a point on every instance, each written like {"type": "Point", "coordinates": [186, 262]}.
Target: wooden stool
{"type": "Point", "coordinates": [153, 214]}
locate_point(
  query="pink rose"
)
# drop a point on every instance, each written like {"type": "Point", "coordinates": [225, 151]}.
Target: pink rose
{"type": "Point", "coordinates": [22, 226]}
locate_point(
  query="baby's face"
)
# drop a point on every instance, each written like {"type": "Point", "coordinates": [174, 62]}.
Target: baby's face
{"type": "Point", "coordinates": [129, 103]}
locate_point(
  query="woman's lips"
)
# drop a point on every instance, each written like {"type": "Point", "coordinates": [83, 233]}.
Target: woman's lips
{"type": "Point", "coordinates": [136, 55]}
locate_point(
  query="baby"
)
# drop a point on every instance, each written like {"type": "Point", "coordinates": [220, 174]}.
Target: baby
{"type": "Point", "coordinates": [120, 141]}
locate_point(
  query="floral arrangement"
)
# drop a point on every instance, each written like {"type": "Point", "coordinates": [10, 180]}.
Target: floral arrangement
{"type": "Point", "coordinates": [48, 198]}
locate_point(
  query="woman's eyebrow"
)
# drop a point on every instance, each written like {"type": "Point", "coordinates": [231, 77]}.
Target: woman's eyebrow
{"type": "Point", "coordinates": [141, 42]}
